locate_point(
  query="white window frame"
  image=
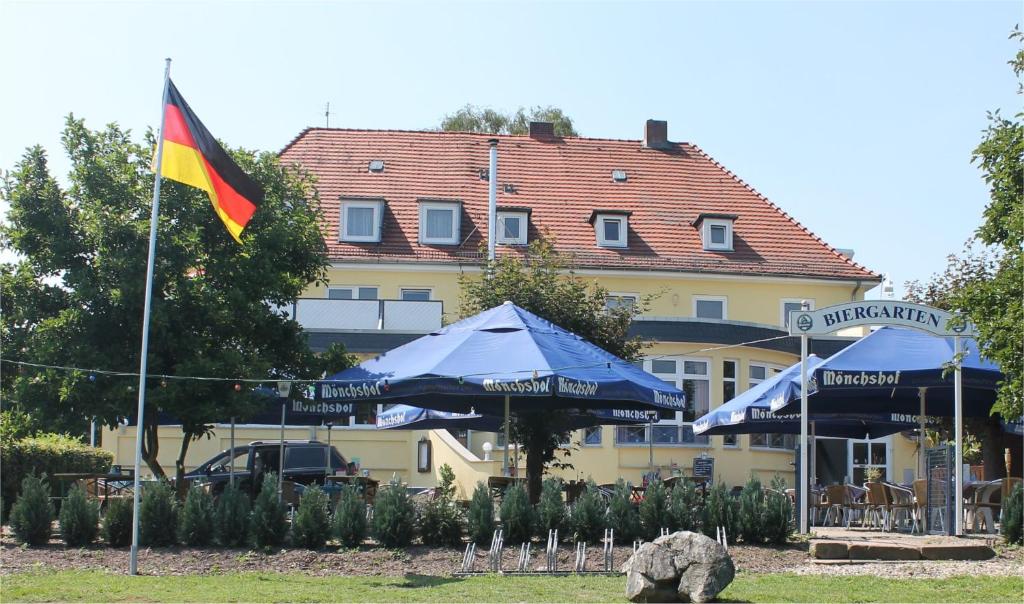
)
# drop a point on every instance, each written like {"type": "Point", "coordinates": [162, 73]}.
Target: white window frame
{"type": "Point", "coordinates": [372, 426]}
{"type": "Point", "coordinates": [355, 291]}
{"type": "Point", "coordinates": [723, 299]}
{"type": "Point", "coordinates": [524, 221]}
{"type": "Point", "coordinates": [456, 210]}
{"type": "Point", "coordinates": [782, 308]}
{"type": "Point", "coordinates": [378, 210]}
{"type": "Point", "coordinates": [735, 380]}
{"type": "Point", "coordinates": [770, 370]}
{"type": "Point", "coordinates": [622, 295]}
{"type": "Point", "coordinates": [600, 436]}
{"type": "Point", "coordinates": [623, 221]}
{"type": "Point", "coordinates": [677, 380]}
{"type": "Point", "coordinates": [705, 230]}
{"type": "Point", "coordinates": [402, 290]}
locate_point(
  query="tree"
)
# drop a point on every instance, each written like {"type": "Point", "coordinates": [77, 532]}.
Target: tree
{"type": "Point", "coordinates": [543, 284]}
{"type": "Point", "coordinates": [75, 296]}
{"type": "Point", "coordinates": [484, 119]}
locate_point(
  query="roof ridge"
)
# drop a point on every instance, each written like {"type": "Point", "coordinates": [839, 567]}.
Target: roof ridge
{"type": "Point", "coordinates": [309, 129]}
{"type": "Point", "coordinates": [785, 214]}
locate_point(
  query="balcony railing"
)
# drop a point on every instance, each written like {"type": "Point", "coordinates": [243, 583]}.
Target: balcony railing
{"type": "Point", "coordinates": [319, 314]}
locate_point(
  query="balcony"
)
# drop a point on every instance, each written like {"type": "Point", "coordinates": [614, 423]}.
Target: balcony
{"type": "Point", "coordinates": [323, 315]}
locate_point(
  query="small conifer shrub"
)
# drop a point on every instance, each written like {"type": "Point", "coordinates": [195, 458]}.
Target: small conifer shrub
{"type": "Point", "coordinates": [349, 522]}
{"type": "Point", "coordinates": [480, 516]}
{"type": "Point", "coordinates": [551, 510]}
{"type": "Point", "coordinates": [117, 522]}
{"type": "Point", "coordinates": [79, 518]}
{"type": "Point", "coordinates": [587, 517]}
{"type": "Point", "coordinates": [269, 515]}
{"type": "Point", "coordinates": [654, 511]}
{"type": "Point", "coordinates": [394, 517]}
{"type": "Point", "coordinates": [517, 515]}
{"type": "Point", "coordinates": [623, 516]}
{"type": "Point", "coordinates": [32, 513]}
{"type": "Point", "coordinates": [440, 519]}
{"type": "Point", "coordinates": [158, 515]}
{"type": "Point", "coordinates": [232, 518]}
{"type": "Point", "coordinates": [196, 520]}
{"type": "Point", "coordinates": [311, 527]}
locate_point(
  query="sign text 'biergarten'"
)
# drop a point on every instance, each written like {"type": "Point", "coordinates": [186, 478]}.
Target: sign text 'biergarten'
{"type": "Point", "coordinates": [877, 312]}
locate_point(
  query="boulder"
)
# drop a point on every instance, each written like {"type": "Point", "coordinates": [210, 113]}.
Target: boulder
{"type": "Point", "coordinates": [681, 567]}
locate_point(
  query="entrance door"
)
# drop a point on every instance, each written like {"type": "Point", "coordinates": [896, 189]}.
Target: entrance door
{"type": "Point", "coordinates": [869, 457]}
{"type": "Point", "coordinates": [830, 460]}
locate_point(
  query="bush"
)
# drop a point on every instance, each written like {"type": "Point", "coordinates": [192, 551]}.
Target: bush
{"type": "Point", "coordinates": [550, 509]}
{"type": "Point", "coordinates": [587, 517]}
{"type": "Point", "coordinates": [720, 510]}
{"type": "Point", "coordinates": [623, 517]}
{"type": "Point", "coordinates": [269, 515]}
{"type": "Point", "coordinates": [394, 517]}
{"type": "Point", "coordinates": [684, 507]}
{"type": "Point", "coordinates": [752, 511]}
{"type": "Point", "coordinates": [32, 513]}
{"type": "Point", "coordinates": [49, 454]}
{"type": "Point", "coordinates": [117, 522]}
{"type": "Point", "coordinates": [480, 516]}
{"type": "Point", "coordinates": [79, 518]}
{"type": "Point", "coordinates": [311, 527]}
{"type": "Point", "coordinates": [440, 520]}
{"type": "Point", "coordinates": [778, 514]}
{"type": "Point", "coordinates": [1013, 516]}
{"type": "Point", "coordinates": [654, 511]}
{"type": "Point", "coordinates": [349, 523]}
{"type": "Point", "coordinates": [517, 515]}
{"type": "Point", "coordinates": [232, 517]}
{"type": "Point", "coordinates": [195, 523]}
{"type": "Point", "coordinates": [158, 515]}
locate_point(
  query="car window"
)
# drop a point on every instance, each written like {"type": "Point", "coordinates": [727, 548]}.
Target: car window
{"type": "Point", "coordinates": [337, 461]}
{"type": "Point", "coordinates": [220, 463]}
{"type": "Point", "coordinates": [305, 457]}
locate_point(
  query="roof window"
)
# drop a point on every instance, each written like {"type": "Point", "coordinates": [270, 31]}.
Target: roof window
{"type": "Point", "coordinates": [611, 227]}
{"type": "Point", "coordinates": [439, 222]}
{"type": "Point", "coordinates": [619, 175]}
{"type": "Point", "coordinates": [376, 165]}
{"type": "Point", "coordinates": [716, 231]}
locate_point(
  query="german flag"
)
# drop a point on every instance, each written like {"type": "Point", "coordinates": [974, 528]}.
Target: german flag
{"type": "Point", "coordinates": [193, 157]}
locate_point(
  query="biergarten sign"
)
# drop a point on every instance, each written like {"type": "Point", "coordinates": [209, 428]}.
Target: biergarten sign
{"type": "Point", "coordinates": [878, 312]}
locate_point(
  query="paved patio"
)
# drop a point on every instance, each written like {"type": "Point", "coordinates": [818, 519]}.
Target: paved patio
{"type": "Point", "coordinates": [840, 543]}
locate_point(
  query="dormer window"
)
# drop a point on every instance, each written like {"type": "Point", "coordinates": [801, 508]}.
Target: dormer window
{"type": "Point", "coordinates": [361, 219]}
{"type": "Point", "coordinates": [716, 231]}
{"type": "Point", "coordinates": [439, 222]}
{"type": "Point", "coordinates": [512, 225]}
{"type": "Point", "coordinates": [611, 227]}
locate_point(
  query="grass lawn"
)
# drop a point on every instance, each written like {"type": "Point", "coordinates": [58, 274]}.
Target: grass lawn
{"type": "Point", "coordinates": [94, 586]}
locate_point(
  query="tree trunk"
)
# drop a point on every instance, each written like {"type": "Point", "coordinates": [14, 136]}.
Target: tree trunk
{"type": "Point", "coordinates": [991, 436]}
{"type": "Point", "coordinates": [150, 449]}
{"type": "Point", "coordinates": [179, 466]}
{"type": "Point", "coordinates": [534, 468]}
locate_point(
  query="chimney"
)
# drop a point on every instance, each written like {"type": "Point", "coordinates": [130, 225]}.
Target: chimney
{"type": "Point", "coordinates": [542, 130]}
{"type": "Point", "coordinates": [656, 134]}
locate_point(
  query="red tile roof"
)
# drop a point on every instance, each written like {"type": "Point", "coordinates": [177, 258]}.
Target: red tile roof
{"type": "Point", "coordinates": [562, 181]}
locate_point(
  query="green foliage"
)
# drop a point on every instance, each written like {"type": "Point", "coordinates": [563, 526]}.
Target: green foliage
{"type": "Point", "coordinates": [654, 514]}
{"type": "Point", "coordinates": [551, 512]}
{"type": "Point", "coordinates": [480, 516]}
{"type": "Point", "coordinates": [158, 515]}
{"type": "Point", "coordinates": [46, 453]}
{"type": "Point", "coordinates": [778, 514]}
{"type": "Point", "coordinates": [517, 515]}
{"type": "Point", "coordinates": [233, 517]}
{"type": "Point", "coordinates": [1013, 516]}
{"type": "Point", "coordinates": [587, 516]}
{"type": "Point", "coordinates": [751, 511]}
{"type": "Point", "coordinates": [623, 516]}
{"type": "Point", "coordinates": [77, 277]}
{"type": "Point", "coordinates": [117, 522]}
{"type": "Point", "coordinates": [394, 516]}
{"type": "Point", "coordinates": [440, 519]}
{"type": "Point", "coordinates": [269, 515]}
{"type": "Point", "coordinates": [684, 507]}
{"type": "Point", "coordinates": [311, 527]}
{"type": "Point", "coordinates": [349, 522]}
{"type": "Point", "coordinates": [483, 119]}
{"type": "Point", "coordinates": [720, 509]}
{"type": "Point", "coordinates": [79, 518]}
{"type": "Point", "coordinates": [32, 513]}
{"type": "Point", "coordinates": [196, 520]}
{"type": "Point", "coordinates": [15, 425]}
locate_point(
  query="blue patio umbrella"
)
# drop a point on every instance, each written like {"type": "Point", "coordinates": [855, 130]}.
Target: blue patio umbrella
{"type": "Point", "coordinates": [406, 417]}
{"type": "Point", "coordinates": [501, 359]}
{"type": "Point", "coordinates": [750, 412]}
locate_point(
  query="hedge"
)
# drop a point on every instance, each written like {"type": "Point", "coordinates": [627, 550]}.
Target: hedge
{"type": "Point", "coordinates": [46, 454]}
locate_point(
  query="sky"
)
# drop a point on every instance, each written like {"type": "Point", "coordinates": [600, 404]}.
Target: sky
{"type": "Point", "coordinates": [857, 118]}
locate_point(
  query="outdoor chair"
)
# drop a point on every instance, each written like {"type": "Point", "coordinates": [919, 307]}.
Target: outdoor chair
{"type": "Point", "coordinates": [981, 505]}
{"type": "Point", "coordinates": [921, 507]}
{"type": "Point", "coordinates": [836, 498]}
{"type": "Point", "coordinates": [900, 500]}
{"type": "Point", "coordinates": [855, 502]}
{"type": "Point", "coordinates": [876, 506]}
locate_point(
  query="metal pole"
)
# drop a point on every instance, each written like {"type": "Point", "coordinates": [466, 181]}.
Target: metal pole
{"type": "Point", "coordinates": [231, 456]}
{"type": "Point", "coordinates": [804, 482]}
{"type": "Point", "coordinates": [650, 444]}
{"type": "Point", "coordinates": [958, 415]}
{"type": "Point", "coordinates": [492, 199]}
{"type": "Point", "coordinates": [508, 431]}
{"type": "Point", "coordinates": [814, 453]}
{"type": "Point", "coordinates": [280, 460]}
{"type": "Point", "coordinates": [133, 564]}
{"type": "Point", "coordinates": [92, 432]}
{"type": "Point", "coordinates": [920, 433]}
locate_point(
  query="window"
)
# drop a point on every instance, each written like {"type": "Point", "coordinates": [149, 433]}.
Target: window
{"type": "Point", "coordinates": [716, 231]}
{"type": "Point", "coordinates": [439, 223]}
{"type": "Point", "coordinates": [729, 393]}
{"type": "Point", "coordinates": [611, 228]}
{"type": "Point", "coordinates": [352, 292]}
{"type": "Point", "coordinates": [616, 300]}
{"type": "Point", "coordinates": [366, 415]}
{"type": "Point", "coordinates": [592, 436]}
{"type": "Point", "coordinates": [710, 307]}
{"type": "Point", "coordinates": [305, 457]}
{"type": "Point", "coordinates": [512, 228]}
{"type": "Point", "coordinates": [415, 295]}
{"type": "Point", "coordinates": [769, 440]}
{"type": "Point", "coordinates": [360, 220]}
{"type": "Point", "coordinates": [692, 375]}
{"type": "Point", "coordinates": [788, 305]}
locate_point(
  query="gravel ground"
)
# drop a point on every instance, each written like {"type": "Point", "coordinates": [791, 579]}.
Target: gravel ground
{"type": "Point", "coordinates": [374, 561]}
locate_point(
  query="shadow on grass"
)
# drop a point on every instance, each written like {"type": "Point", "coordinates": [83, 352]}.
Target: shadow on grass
{"type": "Point", "coordinates": [413, 581]}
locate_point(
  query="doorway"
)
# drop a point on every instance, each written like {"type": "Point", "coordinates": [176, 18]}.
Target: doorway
{"type": "Point", "coordinates": [830, 460]}
{"type": "Point", "coordinates": [870, 458]}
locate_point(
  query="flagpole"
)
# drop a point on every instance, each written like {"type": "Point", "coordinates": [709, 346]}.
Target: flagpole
{"type": "Point", "coordinates": [140, 423]}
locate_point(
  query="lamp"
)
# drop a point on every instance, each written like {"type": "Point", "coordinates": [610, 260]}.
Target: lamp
{"type": "Point", "coordinates": [284, 389]}
{"type": "Point", "coordinates": [487, 447]}
{"type": "Point", "coordinates": [423, 455]}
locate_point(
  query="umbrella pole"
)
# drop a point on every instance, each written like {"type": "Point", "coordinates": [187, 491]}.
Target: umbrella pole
{"type": "Point", "coordinates": [650, 445]}
{"type": "Point", "coordinates": [508, 470]}
{"type": "Point", "coordinates": [280, 461]}
{"type": "Point", "coordinates": [920, 435]}
{"type": "Point", "coordinates": [231, 456]}
{"type": "Point", "coordinates": [814, 454]}
{"type": "Point", "coordinates": [804, 482]}
{"type": "Point", "coordinates": [958, 410]}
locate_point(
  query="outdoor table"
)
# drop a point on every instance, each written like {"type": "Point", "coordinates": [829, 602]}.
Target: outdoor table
{"type": "Point", "coordinates": [102, 486]}
{"type": "Point", "coordinates": [366, 484]}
